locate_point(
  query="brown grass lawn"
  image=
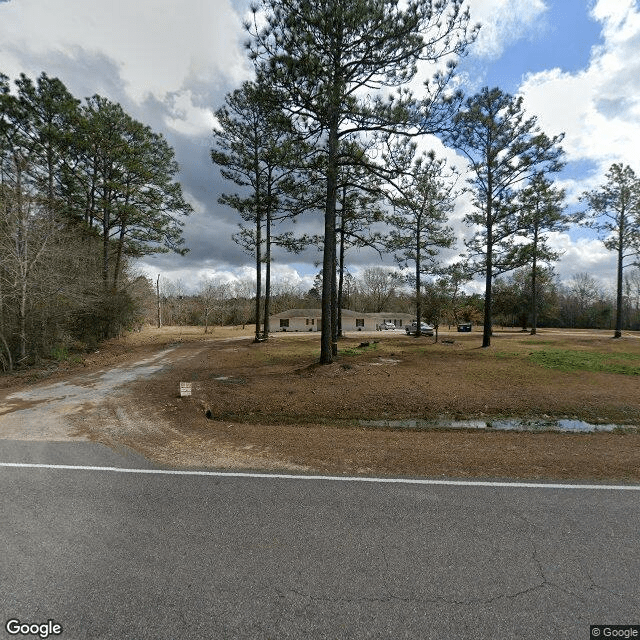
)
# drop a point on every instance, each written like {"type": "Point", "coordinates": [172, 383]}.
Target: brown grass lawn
{"type": "Point", "coordinates": [401, 377]}
{"type": "Point", "coordinates": [271, 406]}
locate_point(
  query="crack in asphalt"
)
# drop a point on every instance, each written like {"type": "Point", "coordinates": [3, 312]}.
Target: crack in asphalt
{"type": "Point", "coordinates": [543, 582]}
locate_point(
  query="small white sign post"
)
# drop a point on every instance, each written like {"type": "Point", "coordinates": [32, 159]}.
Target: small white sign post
{"type": "Point", "coordinates": [185, 389]}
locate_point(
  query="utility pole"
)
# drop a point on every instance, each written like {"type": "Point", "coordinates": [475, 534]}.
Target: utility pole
{"type": "Point", "coordinates": [158, 297]}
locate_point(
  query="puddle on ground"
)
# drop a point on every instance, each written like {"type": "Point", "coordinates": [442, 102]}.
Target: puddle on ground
{"type": "Point", "coordinates": [227, 379]}
{"type": "Point", "coordinates": [514, 424]}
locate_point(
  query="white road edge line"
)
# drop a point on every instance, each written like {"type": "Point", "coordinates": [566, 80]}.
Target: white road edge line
{"type": "Point", "coordinates": [282, 476]}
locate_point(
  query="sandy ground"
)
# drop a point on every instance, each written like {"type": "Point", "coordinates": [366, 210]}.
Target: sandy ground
{"type": "Point", "coordinates": [269, 406]}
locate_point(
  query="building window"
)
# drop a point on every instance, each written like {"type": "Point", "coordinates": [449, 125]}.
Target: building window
{"type": "Point", "coordinates": [359, 322]}
{"type": "Point", "coordinates": [307, 322]}
{"type": "Point", "coordinates": [284, 322]}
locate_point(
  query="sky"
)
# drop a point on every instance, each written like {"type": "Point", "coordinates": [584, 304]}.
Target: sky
{"type": "Point", "coordinates": [576, 63]}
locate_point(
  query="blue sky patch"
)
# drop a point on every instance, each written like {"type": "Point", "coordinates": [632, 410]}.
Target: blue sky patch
{"type": "Point", "coordinates": [563, 39]}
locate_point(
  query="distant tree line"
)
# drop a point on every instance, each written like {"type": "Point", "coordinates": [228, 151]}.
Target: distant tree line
{"type": "Point", "coordinates": [580, 303]}
{"type": "Point", "coordinates": [221, 303]}
{"type": "Point", "coordinates": [83, 189]}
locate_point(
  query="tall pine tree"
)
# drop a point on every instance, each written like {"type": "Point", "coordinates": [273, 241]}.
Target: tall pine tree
{"type": "Point", "coordinates": [541, 211]}
{"type": "Point", "coordinates": [332, 60]}
{"type": "Point", "coordinates": [614, 212]}
{"type": "Point", "coordinates": [504, 149]}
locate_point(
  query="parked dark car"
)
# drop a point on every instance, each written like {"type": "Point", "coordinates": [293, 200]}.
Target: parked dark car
{"type": "Point", "coordinates": [464, 327]}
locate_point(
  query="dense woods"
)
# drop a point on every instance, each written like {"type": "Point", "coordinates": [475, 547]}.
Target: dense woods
{"type": "Point", "coordinates": [83, 189]}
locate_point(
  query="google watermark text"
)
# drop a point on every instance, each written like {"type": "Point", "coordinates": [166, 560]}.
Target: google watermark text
{"type": "Point", "coordinates": [626, 631]}
{"type": "Point", "coordinates": [15, 627]}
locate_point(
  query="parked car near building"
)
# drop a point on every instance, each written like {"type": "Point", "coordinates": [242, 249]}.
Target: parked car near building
{"type": "Point", "coordinates": [385, 326]}
{"type": "Point", "coordinates": [425, 329]}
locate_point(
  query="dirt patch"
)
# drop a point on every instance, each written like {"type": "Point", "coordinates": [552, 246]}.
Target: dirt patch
{"type": "Point", "coordinates": [353, 451]}
{"type": "Point", "coordinates": [129, 348]}
{"type": "Point", "coordinates": [271, 406]}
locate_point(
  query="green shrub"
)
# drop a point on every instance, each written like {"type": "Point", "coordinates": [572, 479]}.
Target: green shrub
{"type": "Point", "coordinates": [59, 352]}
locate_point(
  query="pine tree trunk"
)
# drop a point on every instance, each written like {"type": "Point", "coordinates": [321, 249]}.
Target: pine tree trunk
{"type": "Point", "coordinates": [105, 244]}
{"type": "Point", "coordinates": [534, 286]}
{"type": "Point", "coordinates": [619, 299]}
{"type": "Point", "coordinates": [334, 303]}
{"type": "Point", "coordinates": [258, 212]}
{"type": "Point", "coordinates": [418, 292]}
{"type": "Point", "coordinates": [22, 257]}
{"type": "Point", "coordinates": [341, 276]}
{"type": "Point", "coordinates": [329, 255]}
{"type": "Point", "coordinates": [22, 315]}
{"type": "Point", "coordinates": [267, 275]}
{"type": "Point", "coordinates": [2, 338]}
{"type": "Point", "coordinates": [158, 299]}
{"type": "Point", "coordinates": [486, 330]}
{"type": "Point", "coordinates": [118, 264]}
{"type": "Point", "coordinates": [258, 276]}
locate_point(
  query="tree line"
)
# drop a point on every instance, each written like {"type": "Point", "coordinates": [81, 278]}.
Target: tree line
{"type": "Point", "coordinates": [329, 125]}
{"type": "Point", "coordinates": [84, 188]}
{"type": "Point", "coordinates": [221, 302]}
{"type": "Point", "coordinates": [579, 303]}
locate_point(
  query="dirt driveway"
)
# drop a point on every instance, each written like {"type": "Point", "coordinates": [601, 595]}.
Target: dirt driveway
{"type": "Point", "coordinates": [101, 404]}
{"type": "Point", "coordinates": [48, 411]}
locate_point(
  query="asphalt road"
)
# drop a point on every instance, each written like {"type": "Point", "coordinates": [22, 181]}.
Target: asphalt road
{"type": "Point", "coordinates": [108, 554]}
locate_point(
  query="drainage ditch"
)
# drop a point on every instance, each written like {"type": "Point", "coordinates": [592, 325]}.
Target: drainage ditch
{"type": "Point", "coordinates": [565, 425]}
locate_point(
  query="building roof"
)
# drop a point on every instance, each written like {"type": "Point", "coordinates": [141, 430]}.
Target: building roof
{"type": "Point", "coordinates": [346, 313]}
{"type": "Point", "coordinates": [298, 313]}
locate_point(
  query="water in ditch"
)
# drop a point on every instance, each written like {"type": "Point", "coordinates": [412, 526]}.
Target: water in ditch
{"type": "Point", "coordinates": [566, 425]}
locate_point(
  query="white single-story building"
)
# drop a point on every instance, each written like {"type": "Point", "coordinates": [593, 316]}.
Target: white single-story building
{"type": "Point", "coordinates": [311, 320]}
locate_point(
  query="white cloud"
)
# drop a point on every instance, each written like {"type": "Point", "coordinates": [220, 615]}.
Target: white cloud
{"type": "Point", "coordinates": [597, 108]}
{"type": "Point", "coordinates": [191, 279]}
{"type": "Point", "coordinates": [613, 13]}
{"type": "Point", "coordinates": [158, 45]}
{"type": "Point", "coordinates": [583, 255]}
{"type": "Point", "coordinates": [504, 22]}
{"type": "Point", "coordinates": [186, 117]}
